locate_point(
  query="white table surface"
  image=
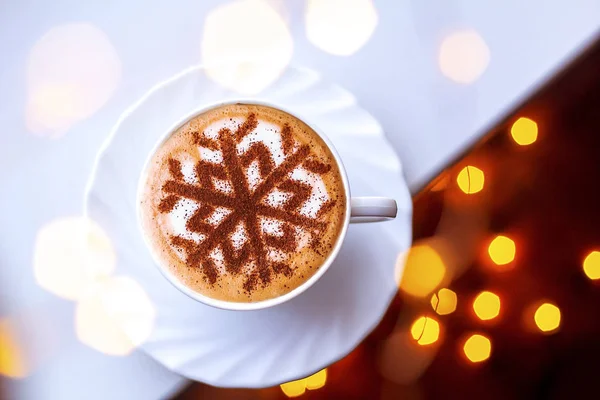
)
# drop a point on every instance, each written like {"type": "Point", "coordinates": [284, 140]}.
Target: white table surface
{"type": "Point", "coordinates": [395, 75]}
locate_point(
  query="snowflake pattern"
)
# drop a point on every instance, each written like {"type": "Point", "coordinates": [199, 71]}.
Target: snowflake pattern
{"type": "Point", "coordinates": [245, 204]}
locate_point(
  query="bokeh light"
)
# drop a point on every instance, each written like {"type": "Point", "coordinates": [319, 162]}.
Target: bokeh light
{"type": "Point", "coordinates": [486, 305]}
{"type": "Point", "coordinates": [444, 301]}
{"type": "Point", "coordinates": [313, 382]}
{"type": "Point", "coordinates": [463, 56]}
{"type": "Point", "coordinates": [423, 270]}
{"type": "Point", "coordinates": [70, 255]}
{"type": "Point", "coordinates": [502, 250]}
{"type": "Point", "coordinates": [425, 330]}
{"type": "Point", "coordinates": [246, 45]}
{"type": "Point", "coordinates": [340, 27]}
{"type": "Point", "coordinates": [547, 317]}
{"type": "Point", "coordinates": [115, 317]}
{"type": "Point", "coordinates": [13, 363]}
{"type": "Point", "coordinates": [294, 388]}
{"type": "Point", "coordinates": [591, 265]}
{"type": "Point", "coordinates": [317, 381]}
{"type": "Point", "coordinates": [470, 179]}
{"type": "Point", "coordinates": [477, 348]}
{"type": "Point", "coordinates": [72, 71]}
{"type": "Point", "coordinates": [524, 131]}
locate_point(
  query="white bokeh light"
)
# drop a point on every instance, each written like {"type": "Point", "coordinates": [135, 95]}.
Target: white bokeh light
{"type": "Point", "coordinates": [463, 56]}
{"type": "Point", "coordinates": [115, 317]}
{"type": "Point", "coordinates": [340, 27]}
{"type": "Point", "coordinates": [70, 255]}
{"type": "Point", "coordinates": [72, 71]}
{"type": "Point", "coordinates": [246, 45]}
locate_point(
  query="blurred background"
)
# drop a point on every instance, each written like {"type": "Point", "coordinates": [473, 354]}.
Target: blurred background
{"type": "Point", "coordinates": [498, 293]}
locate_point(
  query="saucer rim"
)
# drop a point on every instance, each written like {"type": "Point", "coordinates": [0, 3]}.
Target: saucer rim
{"type": "Point", "coordinates": [264, 383]}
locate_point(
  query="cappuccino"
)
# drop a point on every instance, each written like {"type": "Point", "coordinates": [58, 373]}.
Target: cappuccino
{"type": "Point", "coordinates": [242, 203]}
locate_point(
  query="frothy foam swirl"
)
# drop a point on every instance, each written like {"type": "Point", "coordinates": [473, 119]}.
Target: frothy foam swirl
{"type": "Point", "coordinates": [244, 200]}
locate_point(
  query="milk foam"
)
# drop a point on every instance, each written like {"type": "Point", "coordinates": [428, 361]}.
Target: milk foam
{"type": "Point", "coordinates": [179, 216]}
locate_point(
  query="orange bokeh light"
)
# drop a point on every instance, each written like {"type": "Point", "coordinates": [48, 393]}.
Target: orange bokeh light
{"type": "Point", "coordinates": [444, 301]}
{"type": "Point", "coordinates": [294, 388]}
{"type": "Point", "coordinates": [425, 330]}
{"type": "Point", "coordinates": [298, 387]}
{"type": "Point", "coordinates": [486, 305]}
{"type": "Point", "coordinates": [477, 348]}
{"type": "Point", "coordinates": [524, 131]}
{"type": "Point", "coordinates": [470, 179]}
{"type": "Point", "coordinates": [502, 250]}
{"type": "Point", "coordinates": [591, 265]}
{"type": "Point", "coordinates": [317, 381]}
{"type": "Point", "coordinates": [424, 270]}
{"type": "Point", "coordinates": [547, 317]}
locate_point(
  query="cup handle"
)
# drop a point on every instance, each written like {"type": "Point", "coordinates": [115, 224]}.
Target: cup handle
{"type": "Point", "coordinates": [372, 209]}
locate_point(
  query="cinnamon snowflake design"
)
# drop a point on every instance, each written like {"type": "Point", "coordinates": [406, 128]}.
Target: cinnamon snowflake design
{"type": "Point", "coordinates": [246, 205]}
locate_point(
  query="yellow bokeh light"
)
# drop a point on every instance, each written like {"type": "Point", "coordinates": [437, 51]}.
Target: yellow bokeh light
{"type": "Point", "coordinates": [423, 271]}
{"type": "Point", "coordinates": [470, 179]}
{"type": "Point", "coordinates": [444, 301]}
{"type": "Point", "coordinates": [477, 348]}
{"type": "Point", "coordinates": [246, 45]}
{"type": "Point", "coordinates": [486, 305]}
{"type": "Point", "coordinates": [116, 317]}
{"type": "Point", "coordinates": [294, 388]}
{"type": "Point", "coordinates": [72, 71]}
{"type": "Point", "coordinates": [591, 265]}
{"type": "Point", "coordinates": [340, 27]}
{"type": "Point", "coordinates": [70, 255]}
{"type": "Point", "coordinates": [13, 363]}
{"type": "Point", "coordinates": [313, 382]}
{"type": "Point", "coordinates": [463, 56]}
{"type": "Point", "coordinates": [502, 250]}
{"type": "Point", "coordinates": [524, 131]}
{"type": "Point", "coordinates": [317, 381]}
{"type": "Point", "coordinates": [425, 330]}
{"type": "Point", "coordinates": [547, 317]}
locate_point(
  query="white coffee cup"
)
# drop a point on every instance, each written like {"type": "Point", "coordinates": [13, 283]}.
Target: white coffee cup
{"type": "Point", "coordinates": [358, 210]}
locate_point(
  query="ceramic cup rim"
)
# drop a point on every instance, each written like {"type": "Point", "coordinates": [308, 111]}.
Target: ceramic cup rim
{"type": "Point", "coordinates": [262, 304]}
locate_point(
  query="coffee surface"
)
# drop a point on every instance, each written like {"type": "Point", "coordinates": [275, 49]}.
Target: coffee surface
{"type": "Point", "coordinates": [242, 203]}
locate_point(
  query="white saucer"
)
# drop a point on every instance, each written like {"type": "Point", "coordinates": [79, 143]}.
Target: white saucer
{"type": "Point", "coordinates": [263, 348]}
